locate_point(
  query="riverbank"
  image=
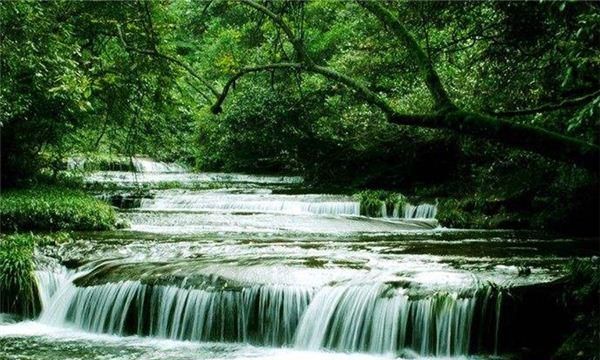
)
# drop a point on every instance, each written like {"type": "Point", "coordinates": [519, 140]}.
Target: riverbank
{"type": "Point", "coordinates": [51, 208]}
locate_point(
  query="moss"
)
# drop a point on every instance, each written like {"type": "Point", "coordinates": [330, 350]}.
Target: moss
{"type": "Point", "coordinates": [18, 287]}
{"type": "Point", "coordinates": [53, 208]}
{"type": "Point", "coordinates": [372, 202]}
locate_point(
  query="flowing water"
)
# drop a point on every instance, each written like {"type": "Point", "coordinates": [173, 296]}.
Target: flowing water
{"type": "Point", "coordinates": [226, 266]}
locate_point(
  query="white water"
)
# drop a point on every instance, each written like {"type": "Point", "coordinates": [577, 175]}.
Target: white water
{"type": "Point", "coordinates": [255, 203]}
{"type": "Point", "coordinates": [151, 173]}
{"type": "Point", "coordinates": [150, 166]}
{"type": "Point", "coordinates": [422, 211]}
{"type": "Point", "coordinates": [353, 317]}
{"type": "Point", "coordinates": [318, 204]}
{"type": "Point", "coordinates": [370, 319]}
{"type": "Point", "coordinates": [327, 293]}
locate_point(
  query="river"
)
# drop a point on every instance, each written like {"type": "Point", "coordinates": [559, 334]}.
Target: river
{"type": "Point", "coordinates": [230, 266]}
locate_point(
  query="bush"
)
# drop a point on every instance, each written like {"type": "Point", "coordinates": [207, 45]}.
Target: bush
{"type": "Point", "coordinates": [18, 287]}
{"type": "Point", "coordinates": [51, 208]}
{"type": "Point", "coordinates": [372, 202]}
{"type": "Point", "coordinates": [101, 162]}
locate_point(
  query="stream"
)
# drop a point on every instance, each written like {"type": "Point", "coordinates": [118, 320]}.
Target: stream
{"type": "Point", "coordinates": [234, 266]}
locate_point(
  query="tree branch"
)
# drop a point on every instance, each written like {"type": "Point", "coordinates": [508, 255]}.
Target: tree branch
{"type": "Point", "coordinates": [172, 59]}
{"type": "Point", "coordinates": [547, 143]}
{"type": "Point", "coordinates": [279, 22]}
{"type": "Point", "coordinates": [432, 79]}
{"type": "Point", "coordinates": [216, 108]}
{"type": "Point", "coordinates": [567, 103]}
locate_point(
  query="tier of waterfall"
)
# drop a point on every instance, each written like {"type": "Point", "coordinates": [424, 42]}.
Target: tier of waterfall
{"type": "Point", "coordinates": [252, 203]}
{"type": "Point", "coordinates": [213, 201]}
{"type": "Point", "coordinates": [375, 317]}
{"type": "Point", "coordinates": [145, 165]}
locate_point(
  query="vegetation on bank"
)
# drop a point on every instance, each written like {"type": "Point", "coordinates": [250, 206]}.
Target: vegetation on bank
{"type": "Point", "coordinates": [520, 195]}
{"type": "Point", "coordinates": [372, 202]}
{"type": "Point", "coordinates": [48, 208]}
{"type": "Point", "coordinates": [99, 162]}
{"type": "Point", "coordinates": [18, 286]}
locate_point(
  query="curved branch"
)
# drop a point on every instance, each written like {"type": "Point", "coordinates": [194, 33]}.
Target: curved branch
{"type": "Point", "coordinates": [567, 103]}
{"type": "Point", "coordinates": [544, 142]}
{"type": "Point", "coordinates": [432, 79]}
{"type": "Point", "coordinates": [216, 108]}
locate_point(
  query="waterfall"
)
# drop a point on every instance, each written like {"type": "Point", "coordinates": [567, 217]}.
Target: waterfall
{"type": "Point", "coordinates": [370, 318]}
{"type": "Point", "coordinates": [210, 201]}
{"type": "Point", "coordinates": [255, 203]}
{"type": "Point", "coordinates": [49, 282]}
{"type": "Point", "coordinates": [375, 318]}
{"type": "Point", "coordinates": [422, 211]}
{"type": "Point", "coordinates": [266, 315]}
{"type": "Point", "coordinates": [150, 166]}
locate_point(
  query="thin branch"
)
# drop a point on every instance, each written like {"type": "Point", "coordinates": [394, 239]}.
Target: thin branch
{"type": "Point", "coordinates": [566, 103]}
{"type": "Point", "coordinates": [170, 58]}
{"type": "Point", "coordinates": [279, 22]}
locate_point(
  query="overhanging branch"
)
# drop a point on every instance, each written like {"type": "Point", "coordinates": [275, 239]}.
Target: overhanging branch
{"type": "Point", "coordinates": [216, 108]}
{"type": "Point", "coordinates": [432, 79]}
{"type": "Point", "coordinates": [565, 104]}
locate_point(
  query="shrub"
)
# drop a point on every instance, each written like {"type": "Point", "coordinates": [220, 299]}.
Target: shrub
{"type": "Point", "coordinates": [18, 287]}
{"type": "Point", "coordinates": [51, 208]}
{"type": "Point", "coordinates": [372, 202]}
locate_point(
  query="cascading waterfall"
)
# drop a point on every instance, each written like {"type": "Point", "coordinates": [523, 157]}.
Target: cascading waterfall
{"type": "Point", "coordinates": [379, 319]}
{"type": "Point", "coordinates": [376, 318]}
{"type": "Point", "coordinates": [422, 211]}
{"type": "Point", "coordinates": [151, 166]}
{"type": "Point", "coordinates": [260, 203]}
{"type": "Point", "coordinates": [266, 315]}
{"type": "Point", "coordinates": [268, 203]}
{"type": "Point", "coordinates": [49, 282]}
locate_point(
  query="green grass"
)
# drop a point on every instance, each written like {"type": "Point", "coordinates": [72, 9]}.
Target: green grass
{"type": "Point", "coordinates": [48, 208]}
{"type": "Point", "coordinates": [18, 287]}
{"type": "Point", "coordinates": [372, 201]}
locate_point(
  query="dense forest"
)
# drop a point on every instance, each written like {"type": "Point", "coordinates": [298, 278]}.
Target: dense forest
{"type": "Point", "coordinates": [278, 179]}
{"type": "Point", "coordinates": [497, 102]}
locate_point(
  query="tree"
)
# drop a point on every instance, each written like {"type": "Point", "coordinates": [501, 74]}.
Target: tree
{"type": "Point", "coordinates": [445, 115]}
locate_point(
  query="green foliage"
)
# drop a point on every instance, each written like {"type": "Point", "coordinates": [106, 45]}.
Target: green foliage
{"type": "Point", "coordinates": [373, 201]}
{"type": "Point", "coordinates": [262, 131]}
{"type": "Point", "coordinates": [79, 77]}
{"type": "Point", "coordinates": [52, 208]}
{"type": "Point", "coordinates": [102, 162]}
{"type": "Point", "coordinates": [18, 287]}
